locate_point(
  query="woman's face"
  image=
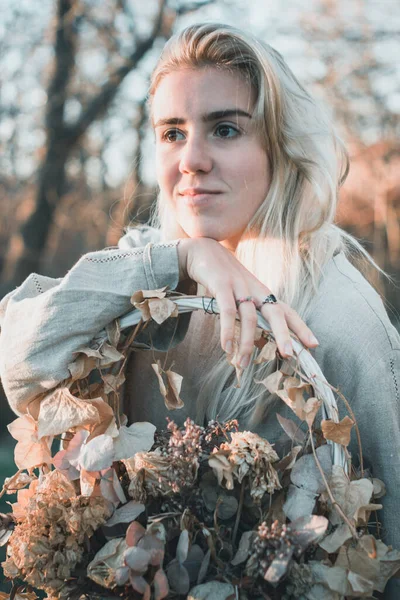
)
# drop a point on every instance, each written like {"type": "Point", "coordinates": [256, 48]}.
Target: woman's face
{"type": "Point", "coordinates": [211, 167]}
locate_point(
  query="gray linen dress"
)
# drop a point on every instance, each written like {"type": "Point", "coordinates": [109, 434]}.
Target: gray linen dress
{"type": "Point", "coordinates": [45, 320]}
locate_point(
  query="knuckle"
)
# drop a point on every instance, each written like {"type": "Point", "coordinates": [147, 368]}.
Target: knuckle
{"type": "Point", "coordinates": [229, 311]}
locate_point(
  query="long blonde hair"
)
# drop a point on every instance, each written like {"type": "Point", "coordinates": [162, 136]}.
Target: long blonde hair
{"type": "Point", "coordinates": [292, 235]}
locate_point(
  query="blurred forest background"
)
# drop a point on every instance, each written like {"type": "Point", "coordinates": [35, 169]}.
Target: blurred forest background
{"type": "Point", "coordinates": [76, 152]}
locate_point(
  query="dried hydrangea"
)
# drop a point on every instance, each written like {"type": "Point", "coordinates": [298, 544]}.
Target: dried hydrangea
{"type": "Point", "coordinates": [171, 467]}
{"type": "Point", "coordinates": [247, 454]}
{"type": "Point", "coordinates": [48, 541]}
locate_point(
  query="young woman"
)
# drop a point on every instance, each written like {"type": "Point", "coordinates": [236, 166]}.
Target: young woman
{"type": "Point", "coordinates": [248, 169]}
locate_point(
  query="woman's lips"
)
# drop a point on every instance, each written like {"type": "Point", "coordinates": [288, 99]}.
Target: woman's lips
{"type": "Point", "coordinates": [200, 199]}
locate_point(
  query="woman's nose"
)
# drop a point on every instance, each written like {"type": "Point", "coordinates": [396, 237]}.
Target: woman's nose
{"type": "Point", "coordinates": [195, 157]}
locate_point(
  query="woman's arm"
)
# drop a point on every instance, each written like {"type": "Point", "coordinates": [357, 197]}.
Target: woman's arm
{"type": "Point", "coordinates": [44, 321]}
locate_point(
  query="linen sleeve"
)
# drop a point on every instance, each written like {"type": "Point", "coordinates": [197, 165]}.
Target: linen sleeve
{"type": "Point", "coordinates": [376, 402]}
{"type": "Point", "coordinates": [44, 321]}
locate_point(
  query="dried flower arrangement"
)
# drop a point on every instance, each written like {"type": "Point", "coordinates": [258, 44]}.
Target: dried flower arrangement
{"type": "Point", "coordinates": [199, 512]}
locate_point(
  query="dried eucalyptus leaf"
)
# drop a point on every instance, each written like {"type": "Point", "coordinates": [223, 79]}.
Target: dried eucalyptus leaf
{"type": "Point", "coordinates": [183, 546]}
{"type": "Point", "coordinates": [331, 543]}
{"type": "Point", "coordinates": [272, 382]}
{"type": "Point", "coordinates": [178, 577]}
{"type": "Point", "coordinates": [137, 559]}
{"type": "Point", "coordinates": [204, 567]}
{"type": "Point", "coordinates": [213, 590]}
{"type": "Point", "coordinates": [228, 507]}
{"type": "Point", "coordinates": [243, 549]}
{"type": "Point", "coordinates": [162, 309]}
{"type": "Point", "coordinates": [305, 473]}
{"type": "Point", "coordinates": [291, 429]}
{"type": "Point", "coordinates": [288, 461]}
{"type": "Point", "coordinates": [194, 562]}
{"type": "Point", "coordinates": [299, 503]}
{"type": "Point", "coordinates": [126, 514]}
{"type": "Point", "coordinates": [307, 530]}
{"type": "Point", "coordinates": [160, 583]}
{"type": "Point", "coordinates": [352, 496]}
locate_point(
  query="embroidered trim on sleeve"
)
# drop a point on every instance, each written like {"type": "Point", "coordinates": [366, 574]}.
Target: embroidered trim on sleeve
{"type": "Point", "coordinates": [113, 257]}
{"type": "Point", "coordinates": [135, 252]}
{"type": "Point", "coordinates": [37, 284]}
{"type": "Point", "coordinates": [396, 385]}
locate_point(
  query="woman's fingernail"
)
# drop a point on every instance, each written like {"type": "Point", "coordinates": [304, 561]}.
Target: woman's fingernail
{"type": "Point", "coordinates": [288, 349]}
{"type": "Point", "coordinates": [244, 361]}
{"type": "Point", "coordinates": [313, 340]}
{"type": "Point", "coordinates": [229, 347]}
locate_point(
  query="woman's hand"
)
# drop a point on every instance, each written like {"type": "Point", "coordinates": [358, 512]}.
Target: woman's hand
{"type": "Point", "coordinates": [207, 262]}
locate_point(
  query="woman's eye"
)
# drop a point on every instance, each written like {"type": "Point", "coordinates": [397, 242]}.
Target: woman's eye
{"type": "Point", "coordinates": [171, 135]}
{"type": "Point", "coordinates": [227, 131]}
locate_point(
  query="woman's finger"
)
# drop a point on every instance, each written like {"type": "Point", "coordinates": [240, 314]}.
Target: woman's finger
{"type": "Point", "coordinates": [297, 325]}
{"type": "Point", "coordinates": [227, 308]}
{"type": "Point", "coordinates": [248, 323]}
{"type": "Point", "coordinates": [275, 315]}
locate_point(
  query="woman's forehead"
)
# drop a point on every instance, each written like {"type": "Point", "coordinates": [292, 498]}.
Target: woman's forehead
{"type": "Point", "coordinates": [187, 94]}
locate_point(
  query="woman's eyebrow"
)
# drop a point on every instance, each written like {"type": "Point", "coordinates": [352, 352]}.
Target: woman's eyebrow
{"type": "Point", "coordinates": [212, 116]}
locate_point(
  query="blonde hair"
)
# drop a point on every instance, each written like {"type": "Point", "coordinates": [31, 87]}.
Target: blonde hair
{"type": "Point", "coordinates": [292, 235]}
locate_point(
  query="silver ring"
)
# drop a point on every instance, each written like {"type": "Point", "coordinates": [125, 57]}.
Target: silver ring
{"type": "Point", "coordinates": [271, 299]}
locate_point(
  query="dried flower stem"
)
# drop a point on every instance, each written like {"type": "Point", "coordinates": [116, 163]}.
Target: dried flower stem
{"type": "Point", "coordinates": [7, 485]}
{"type": "Point", "coordinates": [337, 506]}
{"type": "Point", "coordinates": [239, 511]}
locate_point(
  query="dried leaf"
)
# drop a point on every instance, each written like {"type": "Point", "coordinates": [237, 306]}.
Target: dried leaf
{"type": "Point", "coordinates": [102, 569]}
{"type": "Point", "coordinates": [138, 437]}
{"type": "Point", "coordinates": [331, 543]}
{"type": "Point", "coordinates": [305, 473]}
{"type": "Point", "coordinates": [171, 389]}
{"type": "Point", "coordinates": [268, 353]}
{"type": "Point", "coordinates": [126, 514]}
{"type": "Point", "coordinates": [308, 530]}
{"type": "Point", "coordinates": [204, 566]}
{"type": "Point", "coordinates": [7, 524]}
{"type": "Point", "coordinates": [161, 310]}
{"type": "Point", "coordinates": [98, 454]}
{"type": "Point", "coordinates": [17, 482]}
{"type": "Point", "coordinates": [288, 461]}
{"type": "Point", "coordinates": [106, 424]}
{"type": "Point", "coordinates": [291, 429]}
{"type": "Point", "coordinates": [109, 355]}
{"type": "Point", "coordinates": [137, 559]}
{"type": "Point", "coordinates": [113, 331]}
{"type": "Point", "coordinates": [352, 496]}
{"type": "Point", "coordinates": [272, 382]}
{"type": "Point", "coordinates": [81, 367]}
{"type": "Point", "coordinates": [141, 295]}
{"type": "Point", "coordinates": [67, 461]}
{"type": "Point", "coordinates": [213, 590]}
{"type": "Point", "coordinates": [160, 583]}
{"type": "Point", "coordinates": [379, 488]}
{"type": "Point", "coordinates": [338, 432]}
{"type": "Point", "coordinates": [30, 451]}
{"type": "Point", "coordinates": [299, 503]}
{"type": "Point", "coordinates": [134, 533]}
{"type": "Point", "coordinates": [112, 383]}
{"type": "Point", "coordinates": [194, 562]}
{"type": "Point", "coordinates": [60, 411]}
{"type": "Point", "coordinates": [178, 577]}
{"type": "Point", "coordinates": [243, 549]}
{"type": "Point", "coordinates": [183, 546]}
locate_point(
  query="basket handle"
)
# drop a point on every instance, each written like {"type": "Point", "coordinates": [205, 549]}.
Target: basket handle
{"type": "Point", "coordinates": [307, 362]}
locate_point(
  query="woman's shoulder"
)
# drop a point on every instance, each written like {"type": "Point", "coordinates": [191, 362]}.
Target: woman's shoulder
{"type": "Point", "coordinates": [349, 314]}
